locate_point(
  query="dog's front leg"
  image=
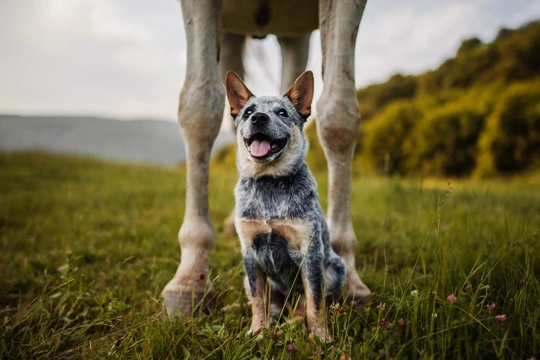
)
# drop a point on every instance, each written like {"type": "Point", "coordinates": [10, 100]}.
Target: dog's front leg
{"type": "Point", "coordinates": [313, 281]}
{"type": "Point", "coordinates": [255, 287]}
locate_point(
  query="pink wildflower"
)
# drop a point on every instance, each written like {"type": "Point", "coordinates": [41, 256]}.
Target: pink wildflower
{"type": "Point", "coordinates": [491, 306]}
{"type": "Point", "coordinates": [384, 322]}
{"type": "Point", "coordinates": [452, 299]}
{"type": "Point", "coordinates": [500, 318]}
{"type": "Point", "coordinates": [402, 322]}
{"type": "Point", "coordinates": [382, 306]}
{"type": "Point", "coordinates": [276, 335]}
{"type": "Point", "coordinates": [291, 348]}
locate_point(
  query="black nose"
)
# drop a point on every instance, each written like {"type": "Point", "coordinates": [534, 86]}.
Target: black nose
{"type": "Point", "coordinates": [259, 118]}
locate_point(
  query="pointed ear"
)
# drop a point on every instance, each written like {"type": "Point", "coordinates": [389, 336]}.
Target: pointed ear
{"type": "Point", "coordinates": [301, 94]}
{"type": "Point", "coordinates": [237, 92]}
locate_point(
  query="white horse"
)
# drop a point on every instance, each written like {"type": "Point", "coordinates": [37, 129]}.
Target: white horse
{"type": "Point", "coordinates": [217, 30]}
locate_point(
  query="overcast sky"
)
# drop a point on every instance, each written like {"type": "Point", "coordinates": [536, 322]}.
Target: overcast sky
{"type": "Point", "coordinates": [126, 58]}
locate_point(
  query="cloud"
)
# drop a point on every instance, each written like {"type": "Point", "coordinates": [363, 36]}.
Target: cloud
{"type": "Point", "coordinates": [127, 58]}
{"type": "Point", "coordinates": [87, 56]}
{"type": "Point", "coordinates": [412, 37]}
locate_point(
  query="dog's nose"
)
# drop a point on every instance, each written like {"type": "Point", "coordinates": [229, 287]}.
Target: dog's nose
{"type": "Point", "coordinates": [259, 118]}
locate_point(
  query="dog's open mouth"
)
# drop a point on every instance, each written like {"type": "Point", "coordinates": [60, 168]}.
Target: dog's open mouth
{"type": "Point", "coordinates": [261, 146]}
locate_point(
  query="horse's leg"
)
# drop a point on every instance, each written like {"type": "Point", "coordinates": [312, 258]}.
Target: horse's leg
{"type": "Point", "coordinates": [199, 113]}
{"type": "Point", "coordinates": [338, 121]}
{"type": "Point", "coordinates": [232, 51]}
{"type": "Point", "coordinates": [230, 58]}
{"type": "Point", "coordinates": [294, 57]}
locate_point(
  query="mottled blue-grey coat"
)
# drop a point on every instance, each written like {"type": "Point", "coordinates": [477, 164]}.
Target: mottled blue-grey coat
{"type": "Point", "coordinates": [278, 190]}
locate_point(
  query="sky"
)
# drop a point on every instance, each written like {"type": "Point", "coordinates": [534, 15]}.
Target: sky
{"type": "Point", "coordinates": [126, 58]}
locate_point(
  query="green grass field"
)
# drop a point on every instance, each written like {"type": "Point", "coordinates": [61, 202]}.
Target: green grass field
{"type": "Point", "coordinates": [86, 247]}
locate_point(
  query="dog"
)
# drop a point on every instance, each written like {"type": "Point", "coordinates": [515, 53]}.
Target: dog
{"type": "Point", "coordinates": [279, 219]}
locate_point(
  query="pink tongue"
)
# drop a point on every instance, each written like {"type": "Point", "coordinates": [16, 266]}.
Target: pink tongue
{"type": "Point", "coordinates": [259, 148]}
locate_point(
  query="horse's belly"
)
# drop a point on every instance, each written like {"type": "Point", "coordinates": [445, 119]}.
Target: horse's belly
{"type": "Point", "coordinates": [264, 17]}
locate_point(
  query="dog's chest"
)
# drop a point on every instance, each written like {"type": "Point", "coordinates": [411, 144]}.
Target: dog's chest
{"type": "Point", "coordinates": [295, 232]}
{"type": "Point", "coordinates": [286, 198]}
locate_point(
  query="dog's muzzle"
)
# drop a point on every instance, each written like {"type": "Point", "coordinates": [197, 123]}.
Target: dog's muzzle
{"type": "Point", "coordinates": [262, 147]}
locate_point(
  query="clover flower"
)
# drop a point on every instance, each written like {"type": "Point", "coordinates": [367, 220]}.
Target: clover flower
{"type": "Point", "coordinates": [452, 299]}
{"type": "Point", "coordinates": [291, 348]}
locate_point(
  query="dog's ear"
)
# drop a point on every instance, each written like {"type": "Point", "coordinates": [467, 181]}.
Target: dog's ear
{"type": "Point", "coordinates": [237, 92]}
{"type": "Point", "coordinates": [301, 94]}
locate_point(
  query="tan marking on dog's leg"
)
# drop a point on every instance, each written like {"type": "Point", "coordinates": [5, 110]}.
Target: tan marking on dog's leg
{"type": "Point", "coordinates": [294, 57]}
{"type": "Point", "coordinates": [247, 230]}
{"type": "Point", "coordinates": [300, 309]}
{"type": "Point", "coordinates": [338, 120]}
{"type": "Point", "coordinates": [199, 113]}
{"type": "Point", "coordinates": [258, 303]}
{"type": "Point", "coordinates": [315, 317]}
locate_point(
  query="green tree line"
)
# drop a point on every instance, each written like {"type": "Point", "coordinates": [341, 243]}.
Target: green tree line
{"type": "Point", "coordinates": [477, 114]}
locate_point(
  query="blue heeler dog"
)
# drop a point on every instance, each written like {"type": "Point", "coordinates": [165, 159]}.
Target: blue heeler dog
{"type": "Point", "coordinates": [279, 219]}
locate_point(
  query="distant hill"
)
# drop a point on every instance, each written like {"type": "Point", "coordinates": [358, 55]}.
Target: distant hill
{"type": "Point", "coordinates": [149, 141]}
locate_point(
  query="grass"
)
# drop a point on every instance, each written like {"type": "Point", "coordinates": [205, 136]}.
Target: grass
{"type": "Point", "coordinates": [86, 247]}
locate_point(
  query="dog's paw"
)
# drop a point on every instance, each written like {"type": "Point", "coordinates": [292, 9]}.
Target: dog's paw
{"type": "Point", "coordinates": [255, 330]}
{"type": "Point", "coordinates": [322, 334]}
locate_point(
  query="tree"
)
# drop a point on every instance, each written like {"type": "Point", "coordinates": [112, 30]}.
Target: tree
{"type": "Point", "coordinates": [384, 137]}
{"type": "Point", "coordinates": [511, 141]}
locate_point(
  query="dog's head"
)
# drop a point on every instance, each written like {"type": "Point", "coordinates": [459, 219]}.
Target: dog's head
{"type": "Point", "coordinates": [269, 129]}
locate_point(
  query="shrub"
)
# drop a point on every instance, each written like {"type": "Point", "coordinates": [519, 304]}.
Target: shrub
{"type": "Point", "coordinates": [224, 158]}
{"type": "Point", "coordinates": [315, 157]}
{"type": "Point", "coordinates": [384, 135]}
{"type": "Point", "coordinates": [377, 96]}
{"type": "Point", "coordinates": [445, 141]}
{"type": "Point", "coordinates": [511, 141]}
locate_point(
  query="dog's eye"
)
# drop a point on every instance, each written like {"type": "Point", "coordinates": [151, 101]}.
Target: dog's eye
{"type": "Point", "coordinates": [282, 112]}
{"type": "Point", "coordinates": [249, 111]}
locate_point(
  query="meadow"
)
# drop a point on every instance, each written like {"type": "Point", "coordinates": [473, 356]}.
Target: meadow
{"type": "Point", "coordinates": [86, 246]}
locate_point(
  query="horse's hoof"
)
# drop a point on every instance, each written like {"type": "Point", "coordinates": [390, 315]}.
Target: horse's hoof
{"type": "Point", "coordinates": [187, 300]}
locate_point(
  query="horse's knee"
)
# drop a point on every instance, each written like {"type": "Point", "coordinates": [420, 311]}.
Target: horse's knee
{"type": "Point", "coordinates": [200, 111]}
{"type": "Point", "coordinates": [338, 127]}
